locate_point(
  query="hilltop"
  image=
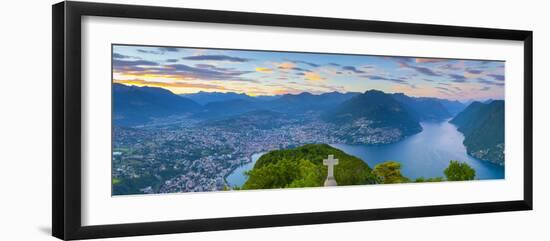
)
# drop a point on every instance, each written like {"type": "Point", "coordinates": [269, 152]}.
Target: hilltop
{"type": "Point", "coordinates": [303, 167]}
{"type": "Point", "coordinates": [483, 127]}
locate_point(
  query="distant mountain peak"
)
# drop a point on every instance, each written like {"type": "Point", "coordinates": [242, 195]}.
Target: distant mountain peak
{"type": "Point", "coordinates": [378, 109]}
{"type": "Point", "coordinates": [305, 94]}
{"type": "Point", "coordinates": [123, 87]}
{"type": "Point", "coordinates": [203, 97]}
{"type": "Point", "coordinates": [373, 91]}
{"type": "Point", "coordinates": [298, 94]}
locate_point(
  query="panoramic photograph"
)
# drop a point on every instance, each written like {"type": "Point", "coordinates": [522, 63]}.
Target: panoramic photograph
{"type": "Point", "coordinates": [190, 119]}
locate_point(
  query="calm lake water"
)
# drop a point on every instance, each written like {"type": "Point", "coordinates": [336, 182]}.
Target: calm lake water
{"type": "Point", "coordinates": [425, 154]}
{"type": "Point", "coordinates": [237, 177]}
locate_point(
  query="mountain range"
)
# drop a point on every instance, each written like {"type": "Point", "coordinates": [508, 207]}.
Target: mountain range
{"type": "Point", "coordinates": [139, 105]}
{"type": "Point", "coordinates": [204, 98]}
{"type": "Point", "coordinates": [376, 109]}
{"type": "Point", "coordinates": [423, 109]}
{"type": "Point", "coordinates": [483, 127]}
{"type": "Point", "coordinates": [305, 101]}
{"type": "Point", "coordinates": [133, 105]}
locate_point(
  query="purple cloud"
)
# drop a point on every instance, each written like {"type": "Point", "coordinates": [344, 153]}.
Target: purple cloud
{"type": "Point", "coordinates": [120, 56]}
{"type": "Point", "coordinates": [146, 51]}
{"type": "Point", "coordinates": [457, 78]}
{"type": "Point", "coordinates": [168, 49]}
{"type": "Point", "coordinates": [205, 72]}
{"type": "Point", "coordinates": [304, 62]}
{"type": "Point", "coordinates": [200, 71]}
{"type": "Point", "coordinates": [378, 77]}
{"type": "Point", "coordinates": [299, 69]}
{"type": "Point", "coordinates": [217, 58]}
{"type": "Point", "coordinates": [353, 69]}
{"type": "Point", "coordinates": [498, 77]}
{"type": "Point", "coordinates": [422, 70]}
{"type": "Point", "coordinates": [128, 63]}
{"type": "Point", "coordinates": [486, 88]}
{"type": "Point", "coordinates": [474, 71]}
{"type": "Point", "coordinates": [487, 82]}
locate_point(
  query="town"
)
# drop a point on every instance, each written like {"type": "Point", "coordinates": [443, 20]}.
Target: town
{"type": "Point", "coordinates": [194, 156]}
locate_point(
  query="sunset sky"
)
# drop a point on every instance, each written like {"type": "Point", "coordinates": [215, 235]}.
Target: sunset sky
{"type": "Point", "coordinates": [190, 70]}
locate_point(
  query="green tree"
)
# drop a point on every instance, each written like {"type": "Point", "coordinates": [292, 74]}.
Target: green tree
{"type": "Point", "coordinates": [309, 175]}
{"type": "Point", "coordinates": [459, 171]}
{"type": "Point", "coordinates": [431, 179]}
{"type": "Point", "coordinates": [303, 167]}
{"type": "Point", "coordinates": [272, 175]}
{"type": "Point", "coordinates": [389, 172]}
{"type": "Point", "coordinates": [285, 173]}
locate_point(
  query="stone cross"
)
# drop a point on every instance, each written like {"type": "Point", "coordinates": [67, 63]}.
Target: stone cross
{"type": "Point", "coordinates": [330, 162]}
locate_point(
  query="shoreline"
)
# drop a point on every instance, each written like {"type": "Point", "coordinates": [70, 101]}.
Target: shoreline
{"type": "Point", "coordinates": [251, 159]}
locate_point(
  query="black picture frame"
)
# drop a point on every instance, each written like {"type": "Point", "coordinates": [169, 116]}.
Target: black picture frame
{"type": "Point", "coordinates": [66, 128]}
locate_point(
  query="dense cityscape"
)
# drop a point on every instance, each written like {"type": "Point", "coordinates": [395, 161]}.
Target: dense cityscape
{"type": "Point", "coordinates": [192, 156]}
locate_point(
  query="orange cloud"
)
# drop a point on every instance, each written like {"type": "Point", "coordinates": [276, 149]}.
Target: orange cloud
{"type": "Point", "coordinates": [313, 76]}
{"type": "Point", "coordinates": [286, 91]}
{"type": "Point", "coordinates": [264, 70]}
{"type": "Point", "coordinates": [285, 65]}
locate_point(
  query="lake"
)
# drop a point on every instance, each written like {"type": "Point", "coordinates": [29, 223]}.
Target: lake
{"type": "Point", "coordinates": [425, 154]}
{"type": "Point", "coordinates": [237, 176]}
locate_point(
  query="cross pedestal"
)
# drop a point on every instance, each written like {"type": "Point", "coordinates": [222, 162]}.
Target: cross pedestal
{"type": "Point", "coordinates": [330, 162]}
